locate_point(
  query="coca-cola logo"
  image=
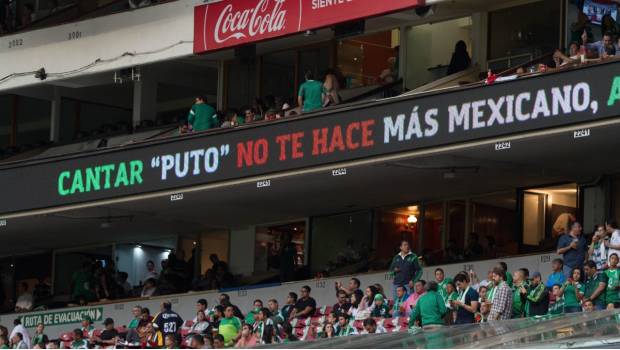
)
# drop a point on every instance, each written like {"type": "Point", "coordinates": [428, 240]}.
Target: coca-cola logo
{"type": "Point", "coordinates": [268, 16]}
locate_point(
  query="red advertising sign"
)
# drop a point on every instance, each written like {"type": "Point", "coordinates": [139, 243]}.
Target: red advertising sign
{"type": "Point", "coordinates": [230, 23]}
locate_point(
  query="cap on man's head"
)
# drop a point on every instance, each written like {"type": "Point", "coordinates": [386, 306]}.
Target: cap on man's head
{"type": "Point", "coordinates": [536, 274]}
{"type": "Point", "coordinates": [378, 297]}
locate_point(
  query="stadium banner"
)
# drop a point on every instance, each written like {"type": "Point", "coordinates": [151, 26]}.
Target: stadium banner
{"type": "Point", "coordinates": [61, 317]}
{"type": "Point", "coordinates": [225, 24]}
{"type": "Point", "coordinates": [356, 132]}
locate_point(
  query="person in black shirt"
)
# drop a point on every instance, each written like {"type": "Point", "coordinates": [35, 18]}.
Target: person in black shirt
{"type": "Point", "coordinates": [305, 306]}
{"type": "Point", "coordinates": [109, 336]}
{"type": "Point", "coordinates": [168, 321]}
{"type": "Point", "coordinates": [343, 305]}
{"type": "Point", "coordinates": [467, 303]}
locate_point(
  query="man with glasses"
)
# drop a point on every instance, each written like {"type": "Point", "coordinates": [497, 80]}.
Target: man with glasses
{"type": "Point", "coordinates": [305, 305]}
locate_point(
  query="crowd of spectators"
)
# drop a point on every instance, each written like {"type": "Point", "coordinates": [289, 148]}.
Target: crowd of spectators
{"type": "Point", "coordinates": [585, 280]}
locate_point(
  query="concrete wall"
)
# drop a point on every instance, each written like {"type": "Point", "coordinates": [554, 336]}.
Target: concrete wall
{"type": "Point", "coordinates": [322, 291]}
{"type": "Point", "coordinates": [158, 30]}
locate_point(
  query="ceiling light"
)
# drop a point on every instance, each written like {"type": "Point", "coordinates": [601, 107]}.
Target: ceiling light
{"type": "Point", "coordinates": [412, 208]}
{"type": "Point", "coordinates": [412, 219]}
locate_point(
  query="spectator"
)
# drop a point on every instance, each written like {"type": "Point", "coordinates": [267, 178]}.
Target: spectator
{"type": "Point", "coordinates": [25, 300]}
{"type": "Point", "coordinates": [467, 303]}
{"type": "Point", "coordinates": [200, 325]}
{"type": "Point", "coordinates": [328, 331]}
{"type": "Point", "coordinates": [170, 342]}
{"type": "Point", "coordinates": [331, 87]}
{"type": "Point", "coordinates": [442, 283]}
{"type": "Point", "coordinates": [125, 287]}
{"type": "Point", "coordinates": [136, 311]}
{"type": "Point", "coordinates": [588, 306]}
{"type": "Point", "coordinates": [288, 253]}
{"type": "Point", "coordinates": [612, 298]}
{"type": "Point", "coordinates": [150, 271]}
{"type": "Point", "coordinates": [83, 283]}
{"type": "Point", "coordinates": [42, 290]}
{"type": "Point", "coordinates": [460, 60]}
{"type": "Point", "coordinates": [501, 308]}
{"type": "Point", "coordinates": [381, 309]}
{"type": "Point", "coordinates": [573, 248]}
{"type": "Point", "coordinates": [474, 248]}
{"type": "Point", "coordinates": [202, 116]}
{"type": "Point", "coordinates": [370, 327]}
{"type": "Point", "coordinates": [557, 273]}
{"type": "Point", "coordinates": [78, 340]}
{"type": "Point", "coordinates": [149, 289]}
{"type": "Point", "coordinates": [537, 303]}
{"type": "Point", "coordinates": [604, 47]}
{"type": "Point", "coordinates": [595, 286]}
{"type": "Point", "coordinates": [390, 74]}
{"type": "Point", "coordinates": [218, 342]}
{"type": "Point", "coordinates": [557, 308]}
{"type": "Point", "coordinates": [430, 309]}
{"type": "Point", "coordinates": [39, 338]}
{"type": "Point", "coordinates": [519, 294]}
{"type": "Point", "coordinates": [229, 326]}
{"type": "Point", "coordinates": [168, 321]}
{"type": "Point", "coordinates": [250, 114]}
{"type": "Point", "coordinates": [344, 328]}
{"type": "Point", "coordinates": [368, 301]}
{"type": "Point", "coordinates": [613, 244]}
{"type": "Point", "coordinates": [573, 290]}
{"type": "Point", "coordinates": [201, 305]}
{"type": "Point", "coordinates": [289, 337]}
{"type": "Point", "coordinates": [247, 338]}
{"type": "Point", "coordinates": [4, 342]}
{"type": "Point", "coordinates": [573, 56]}
{"type": "Point", "coordinates": [109, 336]}
{"type": "Point", "coordinates": [354, 284]}
{"type": "Point", "coordinates": [87, 326]}
{"type": "Point", "coordinates": [405, 267]}
{"type": "Point", "coordinates": [274, 309]}
{"type": "Point", "coordinates": [410, 303]}
{"type": "Point", "coordinates": [305, 306]}
{"type": "Point", "coordinates": [154, 337]}
{"type": "Point", "coordinates": [310, 96]}
{"type": "Point", "coordinates": [401, 296]}
{"type": "Point", "coordinates": [507, 275]}
{"type": "Point", "coordinates": [597, 251]}
{"type": "Point", "coordinates": [19, 328]}
{"type": "Point", "coordinates": [287, 309]}
{"type": "Point", "coordinates": [356, 304]}
{"type": "Point", "coordinates": [343, 305]}
{"type": "Point", "coordinates": [264, 326]}
{"type": "Point", "coordinates": [250, 318]}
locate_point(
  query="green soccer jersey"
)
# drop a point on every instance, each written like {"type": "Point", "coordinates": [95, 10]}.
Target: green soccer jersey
{"type": "Point", "coordinates": [570, 298]}
{"type": "Point", "coordinates": [229, 328]}
{"type": "Point", "coordinates": [557, 308]}
{"type": "Point", "coordinates": [613, 282]}
{"type": "Point", "coordinates": [311, 92]}
{"type": "Point", "coordinates": [592, 283]}
{"type": "Point", "coordinates": [430, 310]}
{"type": "Point", "coordinates": [518, 302]}
{"type": "Point", "coordinates": [535, 295]}
{"type": "Point", "coordinates": [442, 288]}
{"type": "Point", "coordinates": [202, 117]}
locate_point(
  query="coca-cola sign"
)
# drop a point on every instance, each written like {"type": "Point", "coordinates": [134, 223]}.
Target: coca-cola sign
{"type": "Point", "coordinates": [231, 23]}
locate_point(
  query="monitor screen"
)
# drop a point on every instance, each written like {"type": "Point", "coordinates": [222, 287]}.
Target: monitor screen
{"type": "Point", "coordinates": [595, 11]}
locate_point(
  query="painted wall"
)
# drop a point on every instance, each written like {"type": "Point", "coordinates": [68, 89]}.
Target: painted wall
{"type": "Point", "coordinates": [322, 291]}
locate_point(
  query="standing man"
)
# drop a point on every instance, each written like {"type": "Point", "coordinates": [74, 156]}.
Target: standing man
{"type": "Point", "coordinates": [613, 244]}
{"type": "Point", "coordinates": [501, 308]}
{"type": "Point", "coordinates": [442, 283]}
{"type": "Point", "coordinates": [519, 294]}
{"type": "Point", "coordinates": [467, 303]}
{"type": "Point", "coordinates": [573, 247]}
{"type": "Point", "coordinates": [596, 284]}
{"type": "Point", "coordinates": [310, 96]}
{"type": "Point", "coordinates": [168, 321]}
{"type": "Point", "coordinates": [202, 116]}
{"type": "Point", "coordinates": [430, 309]}
{"type": "Point", "coordinates": [406, 268]}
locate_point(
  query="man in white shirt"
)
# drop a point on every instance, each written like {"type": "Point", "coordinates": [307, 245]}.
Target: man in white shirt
{"type": "Point", "coordinates": [25, 300]}
{"type": "Point", "coordinates": [611, 226]}
{"type": "Point", "coordinates": [150, 271]}
{"type": "Point", "coordinates": [19, 328]}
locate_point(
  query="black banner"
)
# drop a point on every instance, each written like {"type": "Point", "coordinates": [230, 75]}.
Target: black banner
{"type": "Point", "coordinates": [397, 125]}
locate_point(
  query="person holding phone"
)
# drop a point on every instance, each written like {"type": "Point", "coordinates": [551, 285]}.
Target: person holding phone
{"type": "Point", "coordinates": [405, 267]}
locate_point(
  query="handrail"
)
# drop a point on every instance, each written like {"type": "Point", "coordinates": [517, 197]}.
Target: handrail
{"type": "Point", "coordinates": [539, 59]}
{"type": "Point", "coordinates": [382, 88]}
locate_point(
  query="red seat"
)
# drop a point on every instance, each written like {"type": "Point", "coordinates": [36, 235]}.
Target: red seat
{"type": "Point", "coordinates": [67, 337]}
{"type": "Point", "coordinates": [316, 320]}
{"type": "Point", "coordinates": [403, 322]}
{"type": "Point", "coordinates": [388, 323]}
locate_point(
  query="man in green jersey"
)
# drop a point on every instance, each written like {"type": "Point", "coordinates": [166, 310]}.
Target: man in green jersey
{"type": "Point", "coordinates": [442, 283]}
{"type": "Point", "coordinates": [596, 284]}
{"type": "Point", "coordinates": [310, 97]}
{"type": "Point", "coordinates": [612, 298]}
{"type": "Point", "coordinates": [557, 308]}
{"type": "Point", "coordinates": [344, 328]}
{"type": "Point", "coordinates": [229, 327]}
{"type": "Point", "coordinates": [519, 293]}
{"type": "Point", "coordinates": [430, 308]}
{"type": "Point", "coordinates": [202, 116]}
{"type": "Point", "coordinates": [538, 298]}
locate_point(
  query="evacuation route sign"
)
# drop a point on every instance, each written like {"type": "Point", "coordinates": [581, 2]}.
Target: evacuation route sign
{"type": "Point", "coordinates": [61, 317]}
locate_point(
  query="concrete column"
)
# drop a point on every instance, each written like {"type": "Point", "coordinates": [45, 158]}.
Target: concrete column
{"type": "Point", "coordinates": [221, 85]}
{"type": "Point", "coordinates": [144, 99]}
{"type": "Point", "coordinates": [402, 60]}
{"type": "Point", "coordinates": [242, 241]}
{"type": "Point", "coordinates": [479, 33]}
{"type": "Point", "coordinates": [55, 115]}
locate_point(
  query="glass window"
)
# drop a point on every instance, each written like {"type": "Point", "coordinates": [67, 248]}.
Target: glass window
{"type": "Point", "coordinates": [493, 226]}
{"type": "Point", "coordinates": [278, 77]}
{"type": "Point", "coordinates": [6, 115]}
{"type": "Point", "coordinates": [455, 227]}
{"type": "Point", "coordinates": [341, 243]}
{"type": "Point", "coordinates": [369, 60]}
{"type": "Point", "coordinates": [280, 249]}
{"type": "Point", "coordinates": [33, 120]}
{"type": "Point", "coordinates": [395, 225]}
{"type": "Point", "coordinates": [432, 236]}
